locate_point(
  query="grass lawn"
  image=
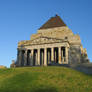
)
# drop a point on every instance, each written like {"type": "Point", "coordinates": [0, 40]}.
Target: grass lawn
{"type": "Point", "coordinates": [44, 79]}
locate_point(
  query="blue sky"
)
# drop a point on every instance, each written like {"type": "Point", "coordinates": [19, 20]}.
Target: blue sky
{"type": "Point", "coordinates": [21, 18]}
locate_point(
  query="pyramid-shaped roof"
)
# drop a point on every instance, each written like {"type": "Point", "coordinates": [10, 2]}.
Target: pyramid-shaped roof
{"type": "Point", "coordinates": [53, 22]}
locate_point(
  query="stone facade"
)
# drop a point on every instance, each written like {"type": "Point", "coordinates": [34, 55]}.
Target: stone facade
{"type": "Point", "coordinates": [55, 44]}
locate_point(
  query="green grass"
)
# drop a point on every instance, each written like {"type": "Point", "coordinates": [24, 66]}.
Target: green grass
{"type": "Point", "coordinates": [44, 79]}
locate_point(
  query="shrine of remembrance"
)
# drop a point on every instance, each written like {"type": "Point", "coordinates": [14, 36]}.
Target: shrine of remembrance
{"type": "Point", "coordinates": [54, 43]}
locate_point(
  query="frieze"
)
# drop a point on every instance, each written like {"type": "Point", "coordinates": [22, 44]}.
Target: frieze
{"type": "Point", "coordinates": [41, 40]}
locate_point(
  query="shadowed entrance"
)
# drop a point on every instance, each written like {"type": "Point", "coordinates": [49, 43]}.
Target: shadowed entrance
{"type": "Point", "coordinates": [35, 57]}
{"type": "Point", "coordinates": [56, 55]}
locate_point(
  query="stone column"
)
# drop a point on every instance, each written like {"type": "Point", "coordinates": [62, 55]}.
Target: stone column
{"type": "Point", "coordinates": [38, 51]}
{"type": "Point", "coordinates": [52, 54]}
{"type": "Point", "coordinates": [62, 58]}
{"type": "Point", "coordinates": [32, 55]}
{"type": "Point", "coordinates": [25, 58]}
{"type": "Point", "coordinates": [59, 55]}
{"type": "Point", "coordinates": [45, 57]}
{"type": "Point", "coordinates": [30, 59]}
{"type": "Point", "coordinates": [66, 55]}
{"type": "Point", "coordinates": [20, 58]}
{"type": "Point", "coordinates": [42, 58]}
{"type": "Point", "coordinates": [17, 56]}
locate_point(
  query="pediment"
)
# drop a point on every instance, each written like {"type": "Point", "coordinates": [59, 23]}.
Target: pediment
{"type": "Point", "coordinates": [41, 40]}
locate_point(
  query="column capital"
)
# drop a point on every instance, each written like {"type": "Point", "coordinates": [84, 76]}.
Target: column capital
{"type": "Point", "coordinates": [26, 50]}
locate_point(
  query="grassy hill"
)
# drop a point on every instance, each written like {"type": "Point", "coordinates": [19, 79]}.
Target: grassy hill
{"type": "Point", "coordinates": [44, 79]}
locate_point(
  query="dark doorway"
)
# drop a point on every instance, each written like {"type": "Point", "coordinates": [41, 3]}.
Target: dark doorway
{"type": "Point", "coordinates": [35, 57]}
{"type": "Point", "coordinates": [28, 57]}
{"type": "Point", "coordinates": [63, 51]}
{"type": "Point", "coordinates": [56, 55]}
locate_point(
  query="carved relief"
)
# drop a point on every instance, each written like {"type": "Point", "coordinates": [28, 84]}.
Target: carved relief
{"type": "Point", "coordinates": [41, 40]}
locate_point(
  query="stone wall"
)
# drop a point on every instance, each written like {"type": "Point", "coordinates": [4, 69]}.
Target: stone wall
{"type": "Point", "coordinates": [59, 33]}
{"type": "Point", "coordinates": [74, 55]}
{"type": "Point", "coordinates": [57, 37]}
{"type": "Point", "coordinates": [84, 67]}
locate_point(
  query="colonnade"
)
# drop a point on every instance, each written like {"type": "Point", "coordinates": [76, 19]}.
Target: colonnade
{"type": "Point", "coordinates": [42, 56]}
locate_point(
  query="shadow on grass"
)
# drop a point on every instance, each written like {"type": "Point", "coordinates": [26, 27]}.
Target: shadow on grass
{"type": "Point", "coordinates": [49, 89]}
{"type": "Point", "coordinates": [52, 89]}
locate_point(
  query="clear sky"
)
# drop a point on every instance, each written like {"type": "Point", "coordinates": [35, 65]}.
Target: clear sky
{"type": "Point", "coordinates": [21, 18]}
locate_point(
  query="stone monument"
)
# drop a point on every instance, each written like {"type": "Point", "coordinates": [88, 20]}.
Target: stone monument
{"type": "Point", "coordinates": [54, 43]}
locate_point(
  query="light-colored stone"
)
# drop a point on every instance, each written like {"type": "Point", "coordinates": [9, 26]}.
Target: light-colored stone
{"type": "Point", "coordinates": [38, 56]}
{"type": "Point", "coordinates": [59, 55]}
{"type": "Point", "coordinates": [45, 57]}
{"type": "Point", "coordinates": [52, 54]}
{"type": "Point", "coordinates": [52, 38]}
